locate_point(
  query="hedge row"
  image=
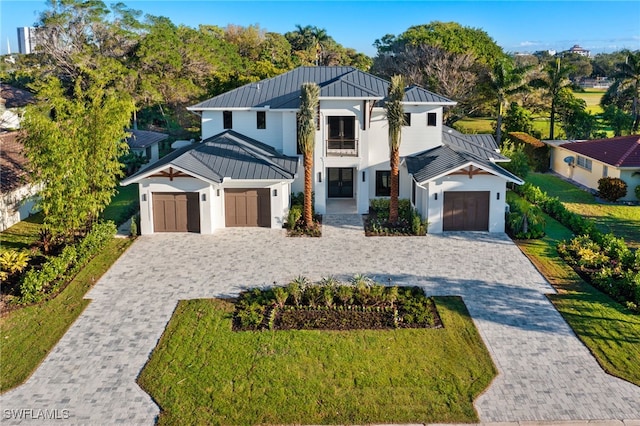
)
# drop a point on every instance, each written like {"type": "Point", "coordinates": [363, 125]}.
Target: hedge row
{"type": "Point", "coordinates": [604, 260]}
{"type": "Point", "coordinates": [37, 283]}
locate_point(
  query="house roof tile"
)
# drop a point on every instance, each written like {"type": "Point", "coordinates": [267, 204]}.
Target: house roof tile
{"type": "Point", "coordinates": [283, 91]}
{"type": "Point", "coordinates": [227, 155]}
{"type": "Point", "coordinates": [621, 151]}
{"type": "Point", "coordinates": [144, 138]}
{"type": "Point", "coordinates": [14, 97]}
{"type": "Point", "coordinates": [12, 162]}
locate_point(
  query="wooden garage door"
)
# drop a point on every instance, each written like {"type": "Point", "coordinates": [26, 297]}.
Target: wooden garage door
{"type": "Point", "coordinates": [247, 207]}
{"type": "Point", "coordinates": [466, 211]}
{"type": "Point", "coordinates": [176, 212]}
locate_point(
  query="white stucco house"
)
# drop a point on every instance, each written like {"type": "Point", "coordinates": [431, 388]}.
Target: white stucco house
{"type": "Point", "coordinates": [246, 166]}
{"type": "Point", "coordinates": [585, 162]}
{"type": "Point", "coordinates": [146, 143]}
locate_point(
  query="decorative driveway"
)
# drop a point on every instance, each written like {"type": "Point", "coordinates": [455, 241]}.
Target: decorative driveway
{"type": "Point", "coordinates": [545, 373]}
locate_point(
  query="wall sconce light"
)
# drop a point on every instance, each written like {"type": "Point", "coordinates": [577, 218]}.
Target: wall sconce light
{"type": "Point", "coordinates": [275, 192]}
{"type": "Point", "coordinates": [217, 192]}
{"type": "Point", "coordinates": [319, 176]}
{"type": "Point", "coordinates": [144, 197]}
{"type": "Point", "coordinates": [498, 196]}
{"type": "Point", "coordinates": [363, 176]}
{"type": "Point", "coordinates": [204, 197]}
{"type": "Point", "coordinates": [435, 196]}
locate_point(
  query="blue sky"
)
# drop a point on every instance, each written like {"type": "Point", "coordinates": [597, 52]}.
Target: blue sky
{"type": "Point", "coordinates": [517, 26]}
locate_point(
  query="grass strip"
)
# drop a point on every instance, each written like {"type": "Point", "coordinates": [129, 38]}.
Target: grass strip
{"type": "Point", "coordinates": [28, 334]}
{"type": "Point", "coordinates": [608, 329]}
{"type": "Point", "coordinates": [201, 372]}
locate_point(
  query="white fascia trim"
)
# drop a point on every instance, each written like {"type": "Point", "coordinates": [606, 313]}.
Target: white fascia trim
{"type": "Point", "coordinates": [148, 173]}
{"type": "Point", "coordinates": [256, 181]}
{"type": "Point", "coordinates": [471, 163]}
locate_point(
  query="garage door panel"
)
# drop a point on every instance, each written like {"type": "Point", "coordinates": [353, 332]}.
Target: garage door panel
{"type": "Point", "coordinates": [247, 207]}
{"type": "Point", "coordinates": [176, 212]}
{"type": "Point", "coordinates": [466, 211]}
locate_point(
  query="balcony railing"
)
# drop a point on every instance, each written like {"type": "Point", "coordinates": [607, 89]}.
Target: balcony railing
{"type": "Point", "coordinates": [342, 147]}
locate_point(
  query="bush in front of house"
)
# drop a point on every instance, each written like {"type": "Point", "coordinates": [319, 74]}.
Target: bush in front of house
{"type": "Point", "coordinates": [612, 189]}
{"type": "Point", "coordinates": [409, 220]}
{"type": "Point", "coordinates": [333, 305]}
{"type": "Point", "coordinates": [36, 284]}
{"type": "Point", "coordinates": [525, 221]}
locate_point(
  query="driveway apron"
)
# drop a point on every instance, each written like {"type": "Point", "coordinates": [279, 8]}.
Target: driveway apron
{"type": "Point", "coordinates": [545, 373]}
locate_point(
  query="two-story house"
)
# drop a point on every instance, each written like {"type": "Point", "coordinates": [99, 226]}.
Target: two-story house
{"type": "Point", "coordinates": [246, 166]}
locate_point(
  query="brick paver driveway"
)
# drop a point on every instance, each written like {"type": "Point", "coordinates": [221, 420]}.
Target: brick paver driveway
{"type": "Point", "coordinates": [546, 374]}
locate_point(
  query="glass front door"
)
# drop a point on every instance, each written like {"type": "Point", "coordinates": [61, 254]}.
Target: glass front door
{"type": "Point", "coordinates": [340, 182]}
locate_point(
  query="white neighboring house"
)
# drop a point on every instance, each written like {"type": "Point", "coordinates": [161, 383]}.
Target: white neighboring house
{"type": "Point", "coordinates": [243, 171]}
{"type": "Point", "coordinates": [586, 162]}
{"type": "Point", "coordinates": [146, 143]}
{"type": "Point", "coordinates": [18, 195]}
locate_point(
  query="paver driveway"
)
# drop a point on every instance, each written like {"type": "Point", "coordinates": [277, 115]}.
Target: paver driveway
{"type": "Point", "coordinates": [546, 374]}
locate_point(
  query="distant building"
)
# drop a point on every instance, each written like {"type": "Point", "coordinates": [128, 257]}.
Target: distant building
{"type": "Point", "coordinates": [579, 50]}
{"type": "Point", "coordinates": [26, 40]}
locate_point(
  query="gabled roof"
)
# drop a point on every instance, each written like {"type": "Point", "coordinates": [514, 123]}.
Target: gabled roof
{"type": "Point", "coordinates": [12, 162]}
{"type": "Point", "coordinates": [622, 151]}
{"type": "Point", "coordinates": [226, 155]}
{"type": "Point", "coordinates": [483, 146]}
{"type": "Point", "coordinates": [144, 138]}
{"type": "Point", "coordinates": [283, 91]}
{"type": "Point", "coordinates": [14, 97]}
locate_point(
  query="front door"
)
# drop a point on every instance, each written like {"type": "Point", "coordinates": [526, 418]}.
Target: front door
{"type": "Point", "coordinates": [340, 182]}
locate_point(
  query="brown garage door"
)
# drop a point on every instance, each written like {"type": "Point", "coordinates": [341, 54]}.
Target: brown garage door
{"type": "Point", "coordinates": [176, 212]}
{"type": "Point", "coordinates": [247, 207]}
{"type": "Point", "coordinates": [466, 211]}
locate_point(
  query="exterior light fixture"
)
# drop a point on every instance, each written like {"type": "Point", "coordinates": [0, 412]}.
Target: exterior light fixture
{"type": "Point", "coordinates": [363, 176]}
{"type": "Point", "coordinates": [144, 197]}
{"type": "Point", "coordinates": [319, 176]}
{"type": "Point", "coordinates": [435, 196]}
{"type": "Point", "coordinates": [275, 192]}
{"type": "Point", "coordinates": [217, 192]}
{"type": "Point", "coordinates": [204, 197]}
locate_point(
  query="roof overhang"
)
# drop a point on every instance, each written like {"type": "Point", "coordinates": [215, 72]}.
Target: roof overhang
{"type": "Point", "coordinates": [149, 172]}
{"type": "Point", "coordinates": [508, 178]}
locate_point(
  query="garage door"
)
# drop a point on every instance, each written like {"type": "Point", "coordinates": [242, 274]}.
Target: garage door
{"type": "Point", "coordinates": [466, 211]}
{"type": "Point", "coordinates": [247, 207]}
{"type": "Point", "coordinates": [176, 212]}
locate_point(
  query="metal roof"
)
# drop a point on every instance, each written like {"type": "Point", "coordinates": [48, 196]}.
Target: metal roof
{"type": "Point", "coordinates": [480, 145]}
{"type": "Point", "coordinates": [283, 91]}
{"type": "Point", "coordinates": [144, 138]}
{"type": "Point", "coordinates": [227, 155]}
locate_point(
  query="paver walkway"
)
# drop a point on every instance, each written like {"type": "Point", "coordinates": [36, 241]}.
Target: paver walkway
{"type": "Point", "coordinates": [546, 374]}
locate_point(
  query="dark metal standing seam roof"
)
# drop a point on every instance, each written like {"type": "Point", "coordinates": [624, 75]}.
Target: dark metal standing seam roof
{"type": "Point", "coordinates": [227, 155]}
{"type": "Point", "coordinates": [470, 143]}
{"type": "Point", "coordinates": [144, 138]}
{"type": "Point", "coordinates": [283, 91]}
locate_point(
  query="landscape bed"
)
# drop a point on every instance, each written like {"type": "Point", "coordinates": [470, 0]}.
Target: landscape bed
{"type": "Point", "coordinates": [202, 372]}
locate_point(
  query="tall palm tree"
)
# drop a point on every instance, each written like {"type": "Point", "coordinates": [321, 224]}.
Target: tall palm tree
{"type": "Point", "coordinates": [310, 92]}
{"type": "Point", "coordinates": [505, 80]}
{"type": "Point", "coordinates": [556, 78]}
{"type": "Point", "coordinates": [628, 76]}
{"type": "Point", "coordinates": [395, 117]}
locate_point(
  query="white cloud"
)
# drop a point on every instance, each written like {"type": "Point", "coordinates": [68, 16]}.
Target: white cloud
{"type": "Point", "coordinates": [529, 43]}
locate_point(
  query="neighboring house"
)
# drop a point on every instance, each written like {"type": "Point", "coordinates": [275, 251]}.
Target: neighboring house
{"type": "Point", "coordinates": [579, 51]}
{"type": "Point", "coordinates": [585, 162]}
{"type": "Point", "coordinates": [146, 143]}
{"type": "Point", "coordinates": [18, 195]}
{"type": "Point", "coordinates": [243, 171]}
{"type": "Point", "coordinates": [12, 103]}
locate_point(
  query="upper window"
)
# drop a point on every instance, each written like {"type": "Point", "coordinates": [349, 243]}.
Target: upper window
{"type": "Point", "coordinates": [342, 132]}
{"type": "Point", "coordinates": [584, 162]}
{"type": "Point", "coordinates": [261, 120]}
{"type": "Point", "coordinates": [227, 120]}
{"type": "Point", "coordinates": [407, 119]}
{"type": "Point", "coordinates": [605, 171]}
{"type": "Point", "coordinates": [431, 119]}
{"type": "Point", "coordinates": [383, 183]}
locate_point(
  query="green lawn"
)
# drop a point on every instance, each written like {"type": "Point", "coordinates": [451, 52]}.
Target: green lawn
{"type": "Point", "coordinates": [479, 125]}
{"type": "Point", "coordinates": [201, 372]}
{"type": "Point", "coordinates": [28, 334]}
{"type": "Point", "coordinates": [23, 234]}
{"type": "Point", "coordinates": [123, 205]}
{"type": "Point", "coordinates": [592, 98]}
{"type": "Point", "coordinates": [609, 330]}
{"type": "Point", "coordinates": [621, 220]}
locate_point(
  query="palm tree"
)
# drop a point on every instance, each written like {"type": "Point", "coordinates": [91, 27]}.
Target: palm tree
{"type": "Point", "coordinates": [556, 79]}
{"type": "Point", "coordinates": [320, 36]}
{"type": "Point", "coordinates": [628, 76]}
{"type": "Point", "coordinates": [395, 117]}
{"type": "Point", "coordinates": [310, 92]}
{"type": "Point", "coordinates": [506, 80]}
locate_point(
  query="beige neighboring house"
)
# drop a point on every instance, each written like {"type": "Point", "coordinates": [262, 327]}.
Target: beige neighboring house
{"type": "Point", "coordinates": [586, 162]}
{"type": "Point", "coordinates": [18, 195]}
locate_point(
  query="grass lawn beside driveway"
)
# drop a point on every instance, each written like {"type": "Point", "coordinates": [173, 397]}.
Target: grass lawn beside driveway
{"type": "Point", "coordinates": [23, 234]}
{"type": "Point", "coordinates": [123, 205]}
{"type": "Point", "coordinates": [608, 329]}
{"type": "Point", "coordinates": [28, 334]}
{"type": "Point", "coordinates": [622, 220]}
{"type": "Point", "coordinates": [202, 372]}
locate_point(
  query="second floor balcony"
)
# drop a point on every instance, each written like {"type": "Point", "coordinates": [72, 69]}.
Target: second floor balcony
{"type": "Point", "coordinates": [342, 148]}
{"type": "Point", "coordinates": [341, 139]}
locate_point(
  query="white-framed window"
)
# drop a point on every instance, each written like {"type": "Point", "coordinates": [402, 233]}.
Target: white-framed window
{"type": "Point", "coordinates": [605, 171]}
{"type": "Point", "coordinates": [584, 162]}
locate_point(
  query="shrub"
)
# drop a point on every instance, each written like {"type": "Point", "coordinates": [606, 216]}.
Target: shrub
{"type": "Point", "coordinates": [612, 189]}
{"type": "Point", "coordinates": [637, 191]}
{"type": "Point", "coordinates": [525, 220]}
{"type": "Point", "coordinates": [295, 213]}
{"type": "Point", "coordinates": [13, 262]}
{"type": "Point", "coordinates": [536, 150]}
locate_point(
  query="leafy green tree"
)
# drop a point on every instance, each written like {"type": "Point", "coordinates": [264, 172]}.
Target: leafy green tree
{"type": "Point", "coordinates": [73, 144]}
{"type": "Point", "coordinates": [505, 80]}
{"type": "Point", "coordinates": [576, 121]}
{"type": "Point", "coordinates": [519, 119]}
{"type": "Point", "coordinates": [310, 93]}
{"type": "Point", "coordinates": [628, 76]}
{"type": "Point", "coordinates": [395, 117]}
{"type": "Point", "coordinates": [620, 121]}
{"type": "Point", "coordinates": [519, 164]}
